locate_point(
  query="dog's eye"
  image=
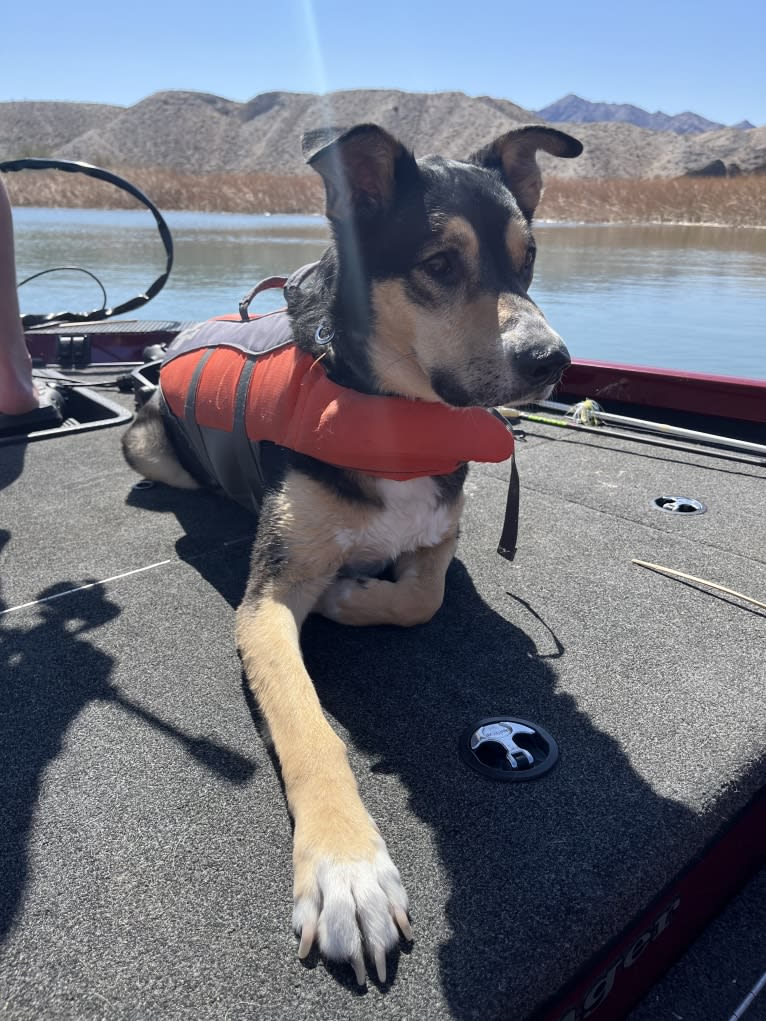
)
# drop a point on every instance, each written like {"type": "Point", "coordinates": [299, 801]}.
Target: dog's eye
{"type": "Point", "coordinates": [529, 259]}
{"type": "Point", "coordinates": [442, 267]}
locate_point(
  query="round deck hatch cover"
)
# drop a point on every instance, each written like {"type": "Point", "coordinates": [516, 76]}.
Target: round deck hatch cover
{"type": "Point", "coordinates": [679, 505]}
{"type": "Point", "coordinates": [507, 748]}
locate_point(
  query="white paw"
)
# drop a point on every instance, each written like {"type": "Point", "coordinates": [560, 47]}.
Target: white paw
{"type": "Point", "coordinates": [353, 907]}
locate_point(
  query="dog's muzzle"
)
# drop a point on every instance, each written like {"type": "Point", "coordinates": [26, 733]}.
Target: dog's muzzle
{"type": "Point", "coordinates": [542, 368]}
{"type": "Point", "coordinates": [538, 355]}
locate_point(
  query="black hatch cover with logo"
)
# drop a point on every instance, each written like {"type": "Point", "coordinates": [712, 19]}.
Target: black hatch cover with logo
{"type": "Point", "coordinates": [507, 748]}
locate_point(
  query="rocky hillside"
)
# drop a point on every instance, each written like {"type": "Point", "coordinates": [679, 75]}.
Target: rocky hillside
{"type": "Point", "coordinates": [198, 133]}
{"type": "Point", "coordinates": [575, 110]}
{"type": "Point", "coordinates": [41, 129]}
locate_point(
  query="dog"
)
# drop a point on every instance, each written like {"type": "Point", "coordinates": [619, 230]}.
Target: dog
{"type": "Point", "coordinates": [421, 294]}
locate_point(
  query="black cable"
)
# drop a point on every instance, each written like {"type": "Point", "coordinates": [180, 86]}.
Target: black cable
{"type": "Point", "coordinates": [74, 167]}
{"type": "Point", "coordinates": [123, 382]}
{"type": "Point", "coordinates": [73, 384]}
{"type": "Point", "coordinates": [62, 269]}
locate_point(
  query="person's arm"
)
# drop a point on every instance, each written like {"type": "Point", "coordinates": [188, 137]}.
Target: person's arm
{"type": "Point", "coordinates": [17, 391]}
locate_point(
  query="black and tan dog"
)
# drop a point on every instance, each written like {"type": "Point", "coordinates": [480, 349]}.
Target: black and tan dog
{"type": "Point", "coordinates": [423, 294]}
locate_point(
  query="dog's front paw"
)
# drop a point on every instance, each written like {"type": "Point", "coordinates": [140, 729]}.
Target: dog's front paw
{"type": "Point", "coordinates": [342, 601]}
{"type": "Point", "coordinates": [365, 602]}
{"type": "Point", "coordinates": [351, 905]}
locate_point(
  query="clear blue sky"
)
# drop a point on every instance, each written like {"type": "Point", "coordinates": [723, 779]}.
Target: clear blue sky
{"type": "Point", "coordinates": [674, 55]}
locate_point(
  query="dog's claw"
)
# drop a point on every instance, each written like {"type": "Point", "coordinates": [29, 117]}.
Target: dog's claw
{"type": "Point", "coordinates": [308, 935]}
{"type": "Point", "coordinates": [401, 919]}
{"type": "Point", "coordinates": [357, 963]}
{"type": "Point", "coordinates": [351, 908]}
{"type": "Point", "coordinates": [380, 965]}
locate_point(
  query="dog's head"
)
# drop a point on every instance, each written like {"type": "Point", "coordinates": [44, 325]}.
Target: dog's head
{"type": "Point", "coordinates": [433, 259]}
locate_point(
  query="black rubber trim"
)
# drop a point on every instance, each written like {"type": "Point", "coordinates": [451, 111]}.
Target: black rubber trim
{"type": "Point", "coordinates": [76, 167]}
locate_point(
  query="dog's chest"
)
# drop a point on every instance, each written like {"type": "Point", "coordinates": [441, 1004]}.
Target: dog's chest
{"type": "Point", "coordinates": [413, 516]}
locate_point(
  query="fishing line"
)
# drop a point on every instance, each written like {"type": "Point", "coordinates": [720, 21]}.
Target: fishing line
{"type": "Point", "coordinates": [83, 588]}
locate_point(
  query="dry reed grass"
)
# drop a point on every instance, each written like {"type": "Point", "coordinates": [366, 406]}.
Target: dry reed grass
{"type": "Point", "coordinates": [222, 193]}
{"type": "Point", "coordinates": [734, 201]}
{"type": "Point", "coordinates": [730, 201]}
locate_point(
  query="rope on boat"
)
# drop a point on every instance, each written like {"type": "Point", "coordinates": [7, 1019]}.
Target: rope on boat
{"type": "Point", "coordinates": [75, 167]}
{"type": "Point", "coordinates": [699, 581]}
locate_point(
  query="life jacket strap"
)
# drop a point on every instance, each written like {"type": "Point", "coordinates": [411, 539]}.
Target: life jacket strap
{"type": "Point", "coordinates": [247, 453]}
{"type": "Point", "coordinates": [189, 416]}
{"type": "Point", "coordinates": [509, 536]}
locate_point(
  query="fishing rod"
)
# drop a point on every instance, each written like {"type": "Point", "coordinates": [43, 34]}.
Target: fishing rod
{"type": "Point", "coordinates": [588, 412]}
{"type": "Point", "coordinates": [623, 434]}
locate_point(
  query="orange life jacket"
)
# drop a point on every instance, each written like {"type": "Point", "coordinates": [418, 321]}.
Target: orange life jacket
{"type": "Point", "coordinates": [231, 385]}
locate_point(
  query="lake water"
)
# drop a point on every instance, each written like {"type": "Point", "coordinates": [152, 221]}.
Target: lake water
{"type": "Point", "coordinates": [691, 298]}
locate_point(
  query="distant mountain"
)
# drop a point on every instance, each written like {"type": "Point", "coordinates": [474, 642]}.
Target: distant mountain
{"type": "Point", "coordinates": [575, 110]}
{"type": "Point", "coordinates": [39, 129]}
{"type": "Point", "coordinates": [201, 133]}
{"type": "Point", "coordinates": [197, 133]}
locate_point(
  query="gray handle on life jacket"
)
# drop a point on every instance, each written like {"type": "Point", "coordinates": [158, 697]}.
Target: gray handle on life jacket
{"type": "Point", "coordinates": [290, 285]}
{"type": "Point", "coordinates": [262, 285]}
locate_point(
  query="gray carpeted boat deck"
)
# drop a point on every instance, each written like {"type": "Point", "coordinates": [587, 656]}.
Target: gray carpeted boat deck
{"type": "Point", "coordinates": [145, 844]}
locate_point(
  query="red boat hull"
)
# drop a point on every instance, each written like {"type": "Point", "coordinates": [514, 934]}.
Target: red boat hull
{"type": "Point", "coordinates": [687, 392]}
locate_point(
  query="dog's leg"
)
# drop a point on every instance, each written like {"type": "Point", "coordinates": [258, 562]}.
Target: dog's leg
{"type": "Point", "coordinates": [348, 892]}
{"type": "Point", "coordinates": [149, 452]}
{"type": "Point", "coordinates": [413, 598]}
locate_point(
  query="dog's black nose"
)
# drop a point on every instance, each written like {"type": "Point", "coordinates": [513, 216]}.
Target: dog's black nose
{"type": "Point", "coordinates": [544, 367]}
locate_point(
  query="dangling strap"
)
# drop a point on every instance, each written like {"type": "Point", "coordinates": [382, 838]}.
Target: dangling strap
{"type": "Point", "coordinates": [507, 547]}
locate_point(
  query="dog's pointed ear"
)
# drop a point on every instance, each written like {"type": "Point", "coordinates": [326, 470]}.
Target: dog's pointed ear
{"type": "Point", "coordinates": [359, 168]}
{"type": "Point", "coordinates": [514, 155]}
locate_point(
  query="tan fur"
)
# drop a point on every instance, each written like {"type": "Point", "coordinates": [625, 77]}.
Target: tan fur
{"type": "Point", "coordinates": [517, 239]}
{"type": "Point", "coordinates": [392, 348]}
{"type": "Point", "coordinates": [312, 522]}
{"type": "Point", "coordinates": [458, 233]}
{"type": "Point", "coordinates": [413, 598]}
{"type": "Point", "coordinates": [331, 822]}
{"type": "Point", "coordinates": [312, 757]}
{"type": "Point", "coordinates": [321, 790]}
{"type": "Point", "coordinates": [409, 339]}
